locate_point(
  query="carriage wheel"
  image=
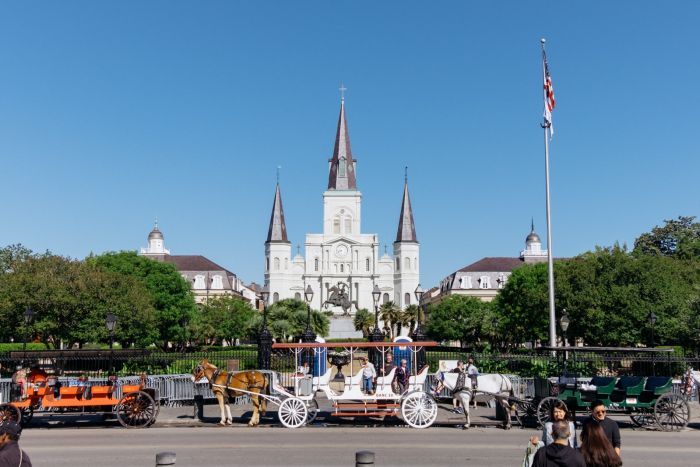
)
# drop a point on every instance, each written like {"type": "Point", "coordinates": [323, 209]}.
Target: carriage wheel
{"type": "Point", "coordinates": [292, 412]}
{"type": "Point", "coordinates": [9, 412]}
{"type": "Point", "coordinates": [544, 408]}
{"type": "Point", "coordinates": [644, 419]}
{"type": "Point", "coordinates": [419, 410]}
{"type": "Point", "coordinates": [672, 412]}
{"type": "Point", "coordinates": [312, 411]}
{"type": "Point", "coordinates": [524, 412]}
{"type": "Point", "coordinates": [136, 410]}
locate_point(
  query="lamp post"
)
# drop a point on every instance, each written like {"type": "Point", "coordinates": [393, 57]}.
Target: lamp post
{"type": "Point", "coordinates": [111, 322]}
{"type": "Point", "coordinates": [564, 323]}
{"type": "Point", "coordinates": [265, 337]}
{"type": "Point", "coordinates": [377, 335]}
{"type": "Point", "coordinates": [28, 316]}
{"type": "Point", "coordinates": [419, 333]}
{"type": "Point", "coordinates": [308, 335]}
{"type": "Point", "coordinates": [652, 320]}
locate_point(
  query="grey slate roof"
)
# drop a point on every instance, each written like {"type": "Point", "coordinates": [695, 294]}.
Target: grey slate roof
{"type": "Point", "coordinates": [196, 263]}
{"type": "Point", "coordinates": [407, 229]}
{"type": "Point", "coordinates": [494, 264]}
{"type": "Point", "coordinates": [336, 179]}
{"type": "Point", "coordinates": [277, 232]}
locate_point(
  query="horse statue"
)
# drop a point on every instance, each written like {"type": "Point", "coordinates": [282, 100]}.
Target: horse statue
{"type": "Point", "coordinates": [338, 296]}
{"type": "Point", "coordinates": [225, 384]}
{"type": "Point", "coordinates": [489, 386]}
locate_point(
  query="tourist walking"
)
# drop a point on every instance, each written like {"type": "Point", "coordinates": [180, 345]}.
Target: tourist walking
{"type": "Point", "coordinates": [559, 412]}
{"type": "Point", "coordinates": [612, 431]}
{"type": "Point", "coordinates": [596, 448]}
{"type": "Point", "coordinates": [559, 453]}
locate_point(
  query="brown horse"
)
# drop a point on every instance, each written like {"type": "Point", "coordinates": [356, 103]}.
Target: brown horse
{"type": "Point", "coordinates": [225, 384]}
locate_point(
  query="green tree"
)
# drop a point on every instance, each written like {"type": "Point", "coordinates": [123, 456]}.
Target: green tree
{"type": "Point", "coordinates": [12, 254]}
{"type": "Point", "coordinates": [390, 314]}
{"type": "Point", "coordinates": [363, 321]}
{"type": "Point", "coordinates": [459, 318]}
{"type": "Point", "coordinates": [172, 298]}
{"type": "Point", "coordinates": [287, 319]}
{"type": "Point", "coordinates": [522, 306]}
{"type": "Point", "coordinates": [677, 237]}
{"type": "Point", "coordinates": [225, 318]}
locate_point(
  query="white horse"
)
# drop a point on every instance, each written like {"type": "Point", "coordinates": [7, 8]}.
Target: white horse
{"type": "Point", "coordinates": [489, 386]}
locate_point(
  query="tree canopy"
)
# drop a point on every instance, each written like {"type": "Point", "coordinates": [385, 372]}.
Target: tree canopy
{"type": "Point", "coordinates": [460, 318]}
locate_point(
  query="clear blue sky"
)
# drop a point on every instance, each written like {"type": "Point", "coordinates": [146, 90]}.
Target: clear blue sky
{"type": "Point", "coordinates": [115, 113]}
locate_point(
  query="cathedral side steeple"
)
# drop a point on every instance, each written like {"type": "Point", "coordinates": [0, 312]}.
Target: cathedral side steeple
{"type": "Point", "coordinates": [341, 171]}
{"type": "Point", "coordinates": [277, 232]}
{"type": "Point", "coordinates": [407, 228]}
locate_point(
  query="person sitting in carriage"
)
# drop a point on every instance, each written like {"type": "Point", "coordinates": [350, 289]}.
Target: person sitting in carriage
{"type": "Point", "coordinates": [402, 376]}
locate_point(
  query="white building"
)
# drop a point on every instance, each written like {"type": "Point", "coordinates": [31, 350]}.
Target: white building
{"type": "Point", "coordinates": [343, 256]}
{"type": "Point", "coordinates": [207, 278]}
{"type": "Point", "coordinates": [484, 278]}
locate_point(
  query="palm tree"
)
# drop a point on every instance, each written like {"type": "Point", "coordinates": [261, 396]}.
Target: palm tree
{"type": "Point", "coordinates": [411, 317]}
{"type": "Point", "coordinates": [363, 321]}
{"type": "Point", "coordinates": [389, 313]}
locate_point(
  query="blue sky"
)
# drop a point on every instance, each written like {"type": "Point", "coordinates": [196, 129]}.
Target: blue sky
{"type": "Point", "coordinates": [115, 113]}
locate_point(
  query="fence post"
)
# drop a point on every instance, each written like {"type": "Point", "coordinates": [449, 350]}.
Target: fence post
{"type": "Point", "coordinates": [364, 459]}
{"type": "Point", "coordinates": [165, 458]}
{"type": "Point", "coordinates": [264, 349]}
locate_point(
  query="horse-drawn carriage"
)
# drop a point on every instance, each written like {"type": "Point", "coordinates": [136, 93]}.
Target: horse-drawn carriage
{"type": "Point", "coordinates": [649, 401]}
{"type": "Point", "coordinates": [295, 392]}
{"type": "Point", "coordinates": [134, 405]}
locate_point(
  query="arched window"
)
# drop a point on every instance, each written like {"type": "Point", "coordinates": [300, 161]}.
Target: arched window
{"type": "Point", "coordinates": [277, 264]}
{"type": "Point", "coordinates": [217, 282]}
{"type": "Point", "coordinates": [466, 282]}
{"type": "Point", "coordinates": [407, 263]}
{"type": "Point", "coordinates": [415, 263]}
{"type": "Point", "coordinates": [199, 282]}
{"type": "Point", "coordinates": [297, 296]}
{"type": "Point", "coordinates": [367, 264]}
{"type": "Point", "coordinates": [336, 225]}
{"type": "Point", "coordinates": [316, 264]}
{"type": "Point", "coordinates": [398, 264]}
{"type": "Point", "coordinates": [501, 280]}
{"type": "Point", "coordinates": [267, 263]}
{"type": "Point", "coordinates": [275, 297]}
{"type": "Point", "coordinates": [407, 299]}
{"type": "Point", "coordinates": [286, 263]}
{"type": "Point", "coordinates": [342, 268]}
{"type": "Point", "coordinates": [385, 298]}
{"type": "Point", "coordinates": [348, 225]}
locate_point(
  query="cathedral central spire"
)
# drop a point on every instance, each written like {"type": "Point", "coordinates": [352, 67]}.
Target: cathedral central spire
{"type": "Point", "coordinates": [341, 171]}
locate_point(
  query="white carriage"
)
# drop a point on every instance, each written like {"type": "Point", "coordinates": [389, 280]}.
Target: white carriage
{"type": "Point", "coordinates": [297, 400]}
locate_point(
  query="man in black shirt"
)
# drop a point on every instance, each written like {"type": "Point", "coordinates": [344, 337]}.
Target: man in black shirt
{"type": "Point", "coordinates": [559, 453]}
{"type": "Point", "coordinates": [10, 452]}
{"type": "Point", "coordinates": [612, 431]}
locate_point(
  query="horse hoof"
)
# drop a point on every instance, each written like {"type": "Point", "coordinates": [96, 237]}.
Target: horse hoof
{"type": "Point", "coordinates": [222, 423]}
{"type": "Point", "coordinates": [507, 427]}
{"type": "Point", "coordinates": [229, 422]}
{"type": "Point", "coordinates": [465, 427]}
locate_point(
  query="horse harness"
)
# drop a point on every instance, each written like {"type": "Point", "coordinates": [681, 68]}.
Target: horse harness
{"type": "Point", "coordinates": [229, 377]}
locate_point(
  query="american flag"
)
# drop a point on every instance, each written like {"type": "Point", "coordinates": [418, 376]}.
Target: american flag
{"type": "Point", "coordinates": [548, 95]}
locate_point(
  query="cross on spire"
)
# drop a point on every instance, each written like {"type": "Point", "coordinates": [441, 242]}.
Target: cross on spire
{"type": "Point", "coordinates": [342, 90]}
{"type": "Point", "coordinates": [278, 174]}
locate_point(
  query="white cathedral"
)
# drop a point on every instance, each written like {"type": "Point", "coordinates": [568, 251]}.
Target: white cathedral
{"type": "Point", "coordinates": [342, 257]}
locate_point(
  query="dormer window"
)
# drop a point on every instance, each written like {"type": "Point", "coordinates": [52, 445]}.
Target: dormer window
{"type": "Point", "coordinates": [484, 282]}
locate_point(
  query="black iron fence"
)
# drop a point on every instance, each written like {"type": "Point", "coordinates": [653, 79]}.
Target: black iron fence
{"type": "Point", "coordinates": [533, 363]}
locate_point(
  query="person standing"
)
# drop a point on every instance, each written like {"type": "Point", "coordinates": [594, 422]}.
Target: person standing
{"type": "Point", "coordinates": [559, 453]}
{"type": "Point", "coordinates": [368, 375]}
{"type": "Point", "coordinates": [596, 449]}
{"type": "Point", "coordinates": [473, 374]}
{"type": "Point", "coordinates": [402, 376]}
{"type": "Point", "coordinates": [10, 452]}
{"type": "Point", "coordinates": [610, 428]}
{"type": "Point", "coordinates": [559, 412]}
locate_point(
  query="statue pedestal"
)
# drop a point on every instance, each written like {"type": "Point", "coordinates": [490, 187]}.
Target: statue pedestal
{"type": "Point", "coordinates": [342, 327]}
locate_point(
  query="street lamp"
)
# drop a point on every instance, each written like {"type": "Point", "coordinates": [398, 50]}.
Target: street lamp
{"type": "Point", "coordinates": [652, 320]}
{"type": "Point", "coordinates": [308, 335]}
{"type": "Point", "coordinates": [418, 333]}
{"type": "Point", "coordinates": [264, 338]}
{"type": "Point", "coordinates": [111, 322]}
{"type": "Point", "coordinates": [377, 335]}
{"type": "Point", "coordinates": [564, 323]}
{"type": "Point", "coordinates": [28, 317]}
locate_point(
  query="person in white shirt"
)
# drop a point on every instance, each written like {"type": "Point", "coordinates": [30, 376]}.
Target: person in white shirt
{"type": "Point", "coordinates": [473, 374]}
{"type": "Point", "coordinates": [368, 375]}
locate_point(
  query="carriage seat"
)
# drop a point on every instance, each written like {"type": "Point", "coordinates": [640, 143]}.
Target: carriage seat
{"type": "Point", "coordinates": [654, 387]}
{"type": "Point", "coordinates": [323, 380]}
{"type": "Point", "coordinates": [383, 381]}
{"type": "Point", "coordinates": [604, 386]}
{"type": "Point", "coordinates": [627, 386]}
{"type": "Point", "coordinates": [416, 382]}
{"type": "Point", "coordinates": [354, 381]}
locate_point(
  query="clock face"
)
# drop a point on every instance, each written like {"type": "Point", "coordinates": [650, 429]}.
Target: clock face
{"type": "Point", "coordinates": [341, 251]}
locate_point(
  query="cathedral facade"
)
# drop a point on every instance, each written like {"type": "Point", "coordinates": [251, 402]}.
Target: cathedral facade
{"type": "Point", "coordinates": [342, 260]}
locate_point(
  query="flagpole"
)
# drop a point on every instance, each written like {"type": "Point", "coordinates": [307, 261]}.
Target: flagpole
{"type": "Point", "coordinates": [550, 259]}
